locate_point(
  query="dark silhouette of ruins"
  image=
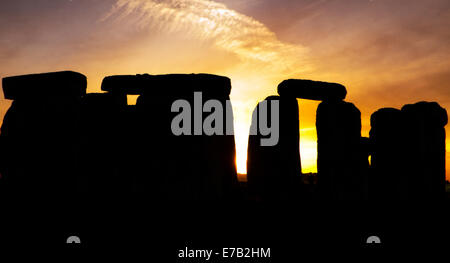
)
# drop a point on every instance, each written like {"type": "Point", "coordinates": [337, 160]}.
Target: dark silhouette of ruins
{"type": "Point", "coordinates": [40, 133]}
{"type": "Point", "coordinates": [187, 167]}
{"type": "Point", "coordinates": [408, 154]}
{"type": "Point", "coordinates": [272, 170]}
{"type": "Point", "coordinates": [56, 139]}
{"type": "Point", "coordinates": [388, 176]}
{"type": "Point", "coordinates": [342, 164]}
{"type": "Point", "coordinates": [406, 147]}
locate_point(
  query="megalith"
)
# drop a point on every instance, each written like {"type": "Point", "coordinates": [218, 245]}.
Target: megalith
{"type": "Point", "coordinates": [273, 171]}
{"type": "Point", "coordinates": [425, 149]}
{"type": "Point", "coordinates": [342, 157]}
{"type": "Point", "coordinates": [388, 176]}
{"type": "Point", "coordinates": [40, 133]}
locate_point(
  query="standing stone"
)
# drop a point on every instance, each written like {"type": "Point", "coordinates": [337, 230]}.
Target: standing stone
{"type": "Point", "coordinates": [341, 162]}
{"type": "Point", "coordinates": [388, 176]}
{"type": "Point", "coordinates": [102, 133]}
{"type": "Point", "coordinates": [272, 171]}
{"type": "Point", "coordinates": [425, 149]}
{"type": "Point", "coordinates": [39, 138]}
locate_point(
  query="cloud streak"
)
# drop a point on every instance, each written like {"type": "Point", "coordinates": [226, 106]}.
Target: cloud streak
{"type": "Point", "coordinates": [226, 29]}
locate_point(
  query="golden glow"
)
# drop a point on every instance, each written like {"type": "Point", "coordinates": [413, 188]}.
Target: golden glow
{"type": "Point", "coordinates": [241, 131]}
{"type": "Point", "coordinates": [308, 137]}
{"type": "Point", "coordinates": [131, 99]}
{"type": "Point", "coordinates": [308, 150]}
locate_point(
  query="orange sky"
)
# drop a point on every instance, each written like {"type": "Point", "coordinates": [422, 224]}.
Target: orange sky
{"type": "Point", "coordinates": [387, 53]}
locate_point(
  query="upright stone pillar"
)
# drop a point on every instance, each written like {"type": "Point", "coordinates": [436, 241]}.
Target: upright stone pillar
{"type": "Point", "coordinates": [341, 161]}
{"type": "Point", "coordinates": [388, 175]}
{"type": "Point", "coordinates": [273, 170]}
{"type": "Point", "coordinates": [425, 149]}
{"type": "Point", "coordinates": [102, 136]}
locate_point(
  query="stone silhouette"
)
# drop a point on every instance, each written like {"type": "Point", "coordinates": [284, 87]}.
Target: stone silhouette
{"type": "Point", "coordinates": [388, 176]}
{"type": "Point", "coordinates": [184, 167]}
{"type": "Point", "coordinates": [342, 161]}
{"type": "Point", "coordinates": [425, 149]}
{"type": "Point", "coordinates": [128, 131]}
{"type": "Point", "coordinates": [56, 139]}
{"type": "Point", "coordinates": [39, 139]}
{"type": "Point", "coordinates": [102, 135]}
{"type": "Point", "coordinates": [342, 156]}
{"type": "Point", "coordinates": [408, 152]}
{"type": "Point", "coordinates": [312, 90]}
{"type": "Point", "coordinates": [63, 84]}
{"type": "Point", "coordinates": [272, 171]}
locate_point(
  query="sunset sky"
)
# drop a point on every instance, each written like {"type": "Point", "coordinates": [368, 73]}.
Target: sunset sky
{"type": "Point", "coordinates": [386, 52]}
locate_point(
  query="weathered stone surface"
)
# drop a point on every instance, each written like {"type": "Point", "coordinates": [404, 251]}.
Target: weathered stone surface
{"type": "Point", "coordinates": [53, 84]}
{"type": "Point", "coordinates": [272, 170]}
{"type": "Point", "coordinates": [178, 84]}
{"type": "Point", "coordinates": [342, 156]}
{"type": "Point", "coordinates": [312, 90]}
{"type": "Point", "coordinates": [425, 149]}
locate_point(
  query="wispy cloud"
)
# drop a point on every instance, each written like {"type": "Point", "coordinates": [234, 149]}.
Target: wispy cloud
{"type": "Point", "coordinates": [206, 20]}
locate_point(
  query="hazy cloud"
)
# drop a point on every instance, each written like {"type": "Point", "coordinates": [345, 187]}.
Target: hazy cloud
{"type": "Point", "coordinates": [206, 20]}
